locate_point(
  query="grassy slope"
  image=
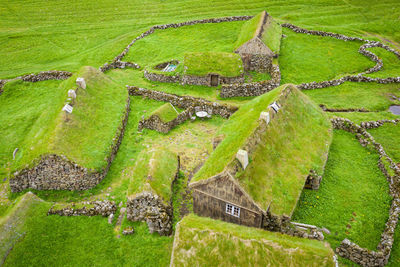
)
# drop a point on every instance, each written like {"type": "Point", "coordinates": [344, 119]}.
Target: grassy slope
{"type": "Point", "coordinates": [225, 64]}
{"type": "Point", "coordinates": [166, 112]}
{"type": "Point", "coordinates": [272, 35]}
{"type": "Point", "coordinates": [248, 30]}
{"type": "Point", "coordinates": [23, 128]}
{"type": "Point", "coordinates": [164, 45]}
{"type": "Point", "coordinates": [371, 96]}
{"type": "Point", "coordinates": [85, 241]}
{"type": "Point", "coordinates": [153, 171]}
{"type": "Point", "coordinates": [391, 63]}
{"type": "Point", "coordinates": [297, 140]}
{"type": "Point", "coordinates": [69, 34]}
{"type": "Point", "coordinates": [202, 241]}
{"type": "Point", "coordinates": [353, 200]}
{"type": "Point", "coordinates": [388, 136]}
{"type": "Point", "coordinates": [236, 131]}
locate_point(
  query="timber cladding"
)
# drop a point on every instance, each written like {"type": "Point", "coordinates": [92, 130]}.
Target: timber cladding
{"type": "Point", "coordinates": [211, 196]}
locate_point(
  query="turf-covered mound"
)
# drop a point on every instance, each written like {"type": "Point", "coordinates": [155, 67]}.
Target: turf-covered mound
{"type": "Point", "coordinates": [295, 141]}
{"type": "Point", "coordinates": [154, 172]}
{"type": "Point", "coordinates": [166, 113]}
{"type": "Point", "coordinates": [81, 147]}
{"type": "Point", "coordinates": [201, 241]}
{"type": "Point", "coordinates": [204, 63]}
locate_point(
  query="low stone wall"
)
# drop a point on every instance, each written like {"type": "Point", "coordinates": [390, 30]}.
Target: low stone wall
{"type": "Point", "coordinates": [54, 172]}
{"type": "Point", "coordinates": [47, 75]}
{"type": "Point", "coordinates": [377, 124]}
{"type": "Point", "coordinates": [158, 77]}
{"type": "Point", "coordinates": [118, 65]}
{"type": "Point", "coordinates": [324, 108]}
{"type": "Point", "coordinates": [155, 123]}
{"type": "Point", "coordinates": [104, 208]}
{"type": "Point", "coordinates": [151, 209]}
{"type": "Point", "coordinates": [185, 102]}
{"type": "Point", "coordinates": [350, 250]}
{"type": "Point", "coordinates": [253, 89]}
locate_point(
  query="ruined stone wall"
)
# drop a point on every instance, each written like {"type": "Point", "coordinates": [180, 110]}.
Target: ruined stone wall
{"type": "Point", "coordinates": [118, 65]}
{"type": "Point", "coordinates": [55, 172]}
{"type": "Point", "coordinates": [255, 88]}
{"type": "Point", "coordinates": [151, 209]}
{"type": "Point", "coordinates": [377, 124]}
{"type": "Point", "coordinates": [350, 250]}
{"type": "Point", "coordinates": [185, 102]}
{"type": "Point", "coordinates": [104, 208]}
{"type": "Point", "coordinates": [155, 123]}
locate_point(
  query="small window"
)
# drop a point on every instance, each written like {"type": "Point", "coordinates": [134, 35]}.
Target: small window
{"type": "Point", "coordinates": [232, 210]}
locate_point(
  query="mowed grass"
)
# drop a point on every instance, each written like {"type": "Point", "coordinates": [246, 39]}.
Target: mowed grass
{"type": "Point", "coordinates": [174, 43]}
{"type": "Point", "coordinates": [27, 114]}
{"type": "Point", "coordinates": [370, 96]}
{"type": "Point", "coordinates": [296, 141]}
{"type": "Point", "coordinates": [388, 136]}
{"type": "Point", "coordinates": [307, 58]}
{"type": "Point", "coordinates": [43, 35]}
{"type": "Point", "coordinates": [202, 241]}
{"type": "Point", "coordinates": [85, 241]}
{"type": "Point", "coordinates": [391, 63]}
{"type": "Point", "coordinates": [353, 200]}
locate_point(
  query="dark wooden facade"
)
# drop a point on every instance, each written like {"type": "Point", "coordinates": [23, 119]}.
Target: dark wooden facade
{"type": "Point", "coordinates": [211, 196]}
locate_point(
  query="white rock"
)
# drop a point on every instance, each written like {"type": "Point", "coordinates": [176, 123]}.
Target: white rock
{"type": "Point", "coordinates": [243, 158]}
{"type": "Point", "coordinates": [265, 116]}
{"type": "Point", "coordinates": [72, 94]}
{"type": "Point", "coordinates": [81, 82]}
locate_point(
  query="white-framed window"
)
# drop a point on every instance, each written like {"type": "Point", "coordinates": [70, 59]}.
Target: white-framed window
{"type": "Point", "coordinates": [232, 210]}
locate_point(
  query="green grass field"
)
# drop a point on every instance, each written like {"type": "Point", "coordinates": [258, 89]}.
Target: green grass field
{"type": "Point", "coordinates": [40, 35]}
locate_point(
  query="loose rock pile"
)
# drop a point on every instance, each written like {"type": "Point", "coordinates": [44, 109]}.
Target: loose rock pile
{"type": "Point", "coordinates": [104, 208]}
{"type": "Point", "coordinates": [152, 210]}
{"type": "Point", "coordinates": [391, 171]}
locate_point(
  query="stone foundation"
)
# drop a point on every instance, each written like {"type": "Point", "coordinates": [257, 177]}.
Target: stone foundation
{"type": "Point", "coordinates": [151, 209]}
{"type": "Point", "coordinates": [253, 89]}
{"type": "Point", "coordinates": [54, 172]}
{"type": "Point", "coordinates": [158, 77]}
{"type": "Point", "coordinates": [185, 102]}
{"type": "Point", "coordinates": [118, 65]}
{"type": "Point", "coordinates": [104, 208]}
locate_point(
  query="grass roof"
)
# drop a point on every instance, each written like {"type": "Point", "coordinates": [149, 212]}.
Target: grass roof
{"type": "Point", "coordinates": [272, 35]}
{"type": "Point", "coordinates": [166, 112]}
{"type": "Point", "coordinates": [87, 137]}
{"type": "Point", "coordinates": [203, 63]}
{"type": "Point", "coordinates": [154, 171]}
{"type": "Point", "coordinates": [249, 29]}
{"type": "Point", "coordinates": [236, 131]}
{"type": "Point", "coordinates": [199, 241]}
{"type": "Point", "coordinates": [296, 140]}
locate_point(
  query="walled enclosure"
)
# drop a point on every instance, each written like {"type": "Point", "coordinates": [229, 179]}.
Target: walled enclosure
{"type": "Point", "coordinates": [350, 250]}
{"type": "Point", "coordinates": [56, 172]}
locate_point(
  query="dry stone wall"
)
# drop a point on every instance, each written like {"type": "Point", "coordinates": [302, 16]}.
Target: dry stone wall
{"type": "Point", "coordinates": [377, 124]}
{"type": "Point", "coordinates": [158, 77]}
{"type": "Point", "coordinates": [104, 208]}
{"type": "Point", "coordinates": [155, 123]}
{"type": "Point", "coordinates": [150, 208]}
{"type": "Point", "coordinates": [253, 89]}
{"type": "Point", "coordinates": [55, 172]}
{"type": "Point", "coordinates": [185, 102]}
{"type": "Point", "coordinates": [118, 65]}
{"type": "Point", "coordinates": [350, 250]}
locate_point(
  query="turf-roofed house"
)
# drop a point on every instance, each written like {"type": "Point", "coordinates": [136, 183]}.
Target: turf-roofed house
{"type": "Point", "coordinates": [259, 42]}
{"type": "Point", "coordinates": [272, 147]}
